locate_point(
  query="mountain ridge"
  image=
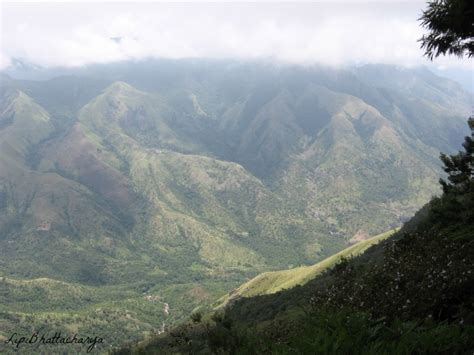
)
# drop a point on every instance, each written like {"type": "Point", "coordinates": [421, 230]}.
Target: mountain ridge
{"type": "Point", "coordinates": [275, 281]}
{"type": "Point", "coordinates": [179, 175]}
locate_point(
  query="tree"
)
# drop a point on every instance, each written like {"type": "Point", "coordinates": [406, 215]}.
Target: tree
{"type": "Point", "coordinates": [450, 25]}
{"type": "Point", "coordinates": [460, 167]}
{"type": "Point", "coordinates": [456, 205]}
{"type": "Point", "coordinates": [451, 28]}
{"type": "Point", "coordinates": [196, 316]}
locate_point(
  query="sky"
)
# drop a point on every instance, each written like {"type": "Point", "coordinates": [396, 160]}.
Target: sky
{"type": "Point", "coordinates": [332, 33]}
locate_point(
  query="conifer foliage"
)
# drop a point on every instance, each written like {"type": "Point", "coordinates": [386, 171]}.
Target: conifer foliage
{"type": "Point", "coordinates": [458, 198]}
{"type": "Point", "coordinates": [460, 167]}
{"type": "Point", "coordinates": [451, 29]}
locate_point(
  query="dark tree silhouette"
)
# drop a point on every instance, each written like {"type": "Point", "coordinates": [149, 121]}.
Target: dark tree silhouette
{"type": "Point", "coordinates": [456, 205]}
{"type": "Point", "coordinates": [451, 28]}
{"type": "Point", "coordinates": [460, 167]}
{"type": "Point", "coordinates": [450, 25]}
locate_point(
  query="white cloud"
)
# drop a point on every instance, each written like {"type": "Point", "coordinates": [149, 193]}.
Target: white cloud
{"type": "Point", "coordinates": [60, 34]}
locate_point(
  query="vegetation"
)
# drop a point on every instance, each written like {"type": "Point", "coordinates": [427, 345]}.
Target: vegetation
{"type": "Point", "coordinates": [117, 313]}
{"type": "Point", "coordinates": [181, 182]}
{"type": "Point", "coordinates": [450, 26]}
{"type": "Point", "coordinates": [412, 293]}
{"type": "Point", "coordinates": [132, 194]}
{"type": "Point", "coordinates": [275, 281]}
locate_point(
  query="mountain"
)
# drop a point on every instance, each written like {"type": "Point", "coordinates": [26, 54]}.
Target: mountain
{"type": "Point", "coordinates": [181, 179]}
{"type": "Point", "coordinates": [411, 293]}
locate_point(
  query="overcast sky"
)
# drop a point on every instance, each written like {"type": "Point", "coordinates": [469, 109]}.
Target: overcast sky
{"type": "Point", "coordinates": [335, 33]}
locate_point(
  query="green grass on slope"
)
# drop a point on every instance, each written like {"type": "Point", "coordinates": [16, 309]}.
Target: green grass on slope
{"type": "Point", "coordinates": [274, 281]}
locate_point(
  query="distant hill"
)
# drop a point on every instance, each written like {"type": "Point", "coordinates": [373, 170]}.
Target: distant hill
{"type": "Point", "coordinates": [163, 175]}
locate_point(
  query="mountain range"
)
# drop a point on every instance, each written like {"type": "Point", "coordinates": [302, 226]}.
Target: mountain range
{"type": "Point", "coordinates": [167, 178]}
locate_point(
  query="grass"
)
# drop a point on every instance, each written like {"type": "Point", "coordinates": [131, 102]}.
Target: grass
{"type": "Point", "coordinates": [275, 281]}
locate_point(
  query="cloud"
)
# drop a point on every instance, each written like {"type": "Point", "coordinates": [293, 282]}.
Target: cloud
{"type": "Point", "coordinates": [61, 34]}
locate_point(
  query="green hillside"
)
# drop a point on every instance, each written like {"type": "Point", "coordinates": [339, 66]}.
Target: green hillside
{"type": "Point", "coordinates": [183, 181]}
{"type": "Point", "coordinates": [276, 281]}
{"type": "Point", "coordinates": [391, 299]}
{"type": "Point", "coordinates": [411, 293]}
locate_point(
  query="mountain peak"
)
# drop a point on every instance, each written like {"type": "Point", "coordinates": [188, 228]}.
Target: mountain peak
{"type": "Point", "coordinates": [120, 87]}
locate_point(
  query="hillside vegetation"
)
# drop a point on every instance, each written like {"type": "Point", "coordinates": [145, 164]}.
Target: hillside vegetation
{"type": "Point", "coordinates": [183, 179]}
{"type": "Point", "coordinates": [411, 293]}
{"type": "Point", "coordinates": [275, 281]}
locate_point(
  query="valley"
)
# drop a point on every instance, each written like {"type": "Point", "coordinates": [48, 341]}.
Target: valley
{"type": "Point", "coordinates": [131, 186]}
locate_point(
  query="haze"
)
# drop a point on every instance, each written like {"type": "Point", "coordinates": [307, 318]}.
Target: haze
{"type": "Point", "coordinates": [351, 32]}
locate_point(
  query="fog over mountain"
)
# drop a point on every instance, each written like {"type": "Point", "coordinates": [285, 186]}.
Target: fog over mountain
{"type": "Point", "coordinates": [201, 173]}
{"type": "Point", "coordinates": [329, 33]}
{"type": "Point", "coordinates": [154, 156]}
